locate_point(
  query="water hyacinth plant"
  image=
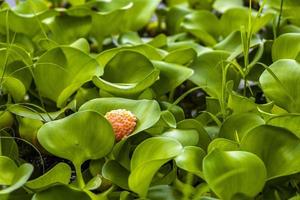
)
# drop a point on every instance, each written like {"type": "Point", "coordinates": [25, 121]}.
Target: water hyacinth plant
{"type": "Point", "coordinates": [150, 99]}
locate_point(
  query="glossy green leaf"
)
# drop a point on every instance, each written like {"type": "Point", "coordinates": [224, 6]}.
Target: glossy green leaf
{"type": "Point", "coordinates": [204, 25]}
{"type": "Point", "coordinates": [288, 121]}
{"type": "Point", "coordinates": [223, 145]}
{"type": "Point", "coordinates": [146, 111]}
{"type": "Point", "coordinates": [192, 124]}
{"type": "Point", "coordinates": [9, 167]}
{"type": "Point", "coordinates": [59, 174]}
{"type": "Point", "coordinates": [8, 146]}
{"type": "Point", "coordinates": [113, 171]}
{"type": "Point", "coordinates": [185, 137]}
{"type": "Point", "coordinates": [181, 56]}
{"type": "Point", "coordinates": [237, 126]}
{"type": "Point", "coordinates": [235, 18]}
{"type": "Point", "coordinates": [35, 113]}
{"type": "Point", "coordinates": [280, 82]}
{"type": "Point", "coordinates": [224, 5]}
{"type": "Point", "coordinates": [233, 43]}
{"type": "Point", "coordinates": [14, 70]}
{"type": "Point", "coordinates": [23, 20]}
{"type": "Point", "coordinates": [208, 71]}
{"type": "Point", "coordinates": [6, 119]}
{"type": "Point", "coordinates": [28, 129]}
{"type": "Point", "coordinates": [147, 158]}
{"type": "Point", "coordinates": [286, 46]}
{"type": "Point", "coordinates": [86, 135]}
{"type": "Point", "coordinates": [191, 159]}
{"type": "Point", "coordinates": [234, 174]}
{"type": "Point", "coordinates": [62, 70]}
{"type": "Point", "coordinates": [14, 177]}
{"type": "Point", "coordinates": [151, 53]}
{"type": "Point", "coordinates": [94, 183]}
{"type": "Point", "coordinates": [66, 29]}
{"type": "Point", "coordinates": [277, 147]}
{"type": "Point", "coordinates": [170, 76]}
{"type": "Point", "coordinates": [127, 73]}
{"type": "Point", "coordinates": [61, 193]}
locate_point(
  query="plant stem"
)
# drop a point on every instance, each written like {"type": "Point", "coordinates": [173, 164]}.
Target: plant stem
{"type": "Point", "coordinates": [79, 176]}
{"type": "Point", "coordinates": [279, 18]}
{"type": "Point", "coordinates": [186, 189]}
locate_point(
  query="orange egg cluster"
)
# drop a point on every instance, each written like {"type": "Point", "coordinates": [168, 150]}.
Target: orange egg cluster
{"type": "Point", "coordinates": [122, 121]}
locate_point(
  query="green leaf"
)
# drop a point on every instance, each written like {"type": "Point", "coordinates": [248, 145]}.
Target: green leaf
{"type": "Point", "coordinates": [171, 75]}
{"type": "Point", "coordinates": [61, 71]}
{"type": "Point", "coordinates": [126, 74]}
{"type": "Point", "coordinates": [279, 83]}
{"type": "Point", "coordinates": [61, 193]}
{"type": "Point", "coordinates": [14, 70]}
{"type": "Point", "coordinates": [234, 44]}
{"type": "Point", "coordinates": [115, 172]}
{"type": "Point", "coordinates": [59, 174]}
{"type": "Point", "coordinates": [234, 174]}
{"type": "Point", "coordinates": [191, 159]}
{"type": "Point", "coordinates": [185, 137]}
{"type": "Point", "coordinates": [208, 71]}
{"type": "Point", "coordinates": [277, 147]}
{"type": "Point", "coordinates": [192, 124]}
{"type": "Point", "coordinates": [66, 29]}
{"type": "Point", "coordinates": [235, 18]}
{"type": "Point", "coordinates": [94, 183]}
{"type": "Point", "coordinates": [288, 121]}
{"type": "Point", "coordinates": [28, 129]}
{"type": "Point", "coordinates": [204, 25]}
{"type": "Point", "coordinates": [146, 111]}
{"type": "Point", "coordinates": [237, 126]}
{"type": "Point", "coordinates": [6, 119]}
{"type": "Point", "coordinates": [9, 167]}
{"type": "Point", "coordinates": [224, 5]}
{"type": "Point", "coordinates": [286, 46]}
{"type": "Point", "coordinates": [151, 53]}
{"type": "Point", "coordinates": [147, 158]}
{"type": "Point", "coordinates": [8, 145]}
{"type": "Point", "coordinates": [181, 56]}
{"type": "Point", "coordinates": [86, 135]}
{"type": "Point", "coordinates": [23, 21]}
{"type": "Point", "coordinates": [14, 177]}
{"type": "Point", "coordinates": [36, 113]}
{"type": "Point", "coordinates": [223, 144]}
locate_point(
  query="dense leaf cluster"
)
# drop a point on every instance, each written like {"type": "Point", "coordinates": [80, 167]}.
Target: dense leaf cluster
{"type": "Point", "coordinates": [214, 85]}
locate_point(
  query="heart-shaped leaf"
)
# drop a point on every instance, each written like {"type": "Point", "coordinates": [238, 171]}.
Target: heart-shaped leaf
{"type": "Point", "coordinates": [126, 74]}
{"type": "Point", "coordinates": [234, 174]}
{"type": "Point", "coordinates": [86, 135]}
{"type": "Point", "coordinates": [146, 111]}
{"type": "Point", "coordinates": [277, 147]}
